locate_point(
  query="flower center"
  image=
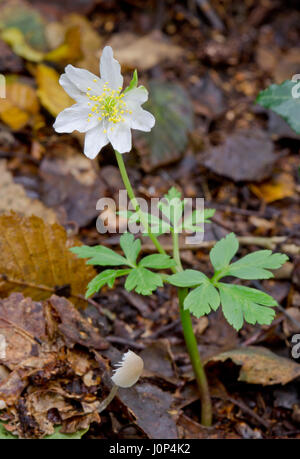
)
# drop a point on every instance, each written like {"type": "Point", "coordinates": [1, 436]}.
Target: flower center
{"type": "Point", "coordinates": [108, 106]}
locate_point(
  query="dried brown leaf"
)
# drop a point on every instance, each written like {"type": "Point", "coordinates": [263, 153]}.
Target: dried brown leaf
{"type": "Point", "coordinates": [34, 259]}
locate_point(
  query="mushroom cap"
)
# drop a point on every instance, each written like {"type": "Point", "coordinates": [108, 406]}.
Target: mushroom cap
{"type": "Point", "coordinates": [129, 371]}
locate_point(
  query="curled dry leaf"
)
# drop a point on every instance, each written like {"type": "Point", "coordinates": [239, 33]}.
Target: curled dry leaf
{"type": "Point", "coordinates": [260, 366]}
{"type": "Point", "coordinates": [35, 259]}
{"type": "Point", "coordinates": [143, 52]}
{"type": "Point", "coordinates": [20, 106]}
{"type": "Point", "coordinates": [46, 373]}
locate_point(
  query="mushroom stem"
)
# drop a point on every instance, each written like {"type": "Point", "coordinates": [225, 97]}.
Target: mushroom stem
{"type": "Point", "coordinates": [104, 404]}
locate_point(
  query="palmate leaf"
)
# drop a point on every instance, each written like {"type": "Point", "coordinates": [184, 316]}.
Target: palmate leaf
{"type": "Point", "coordinates": [239, 303]}
{"type": "Point", "coordinates": [143, 281]}
{"type": "Point", "coordinates": [279, 98]}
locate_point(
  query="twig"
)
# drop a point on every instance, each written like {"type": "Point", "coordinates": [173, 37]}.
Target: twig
{"type": "Point", "coordinates": [248, 410]}
{"type": "Point", "coordinates": [210, 14]}
{"type": "Point", "coordinates": [265, 242]}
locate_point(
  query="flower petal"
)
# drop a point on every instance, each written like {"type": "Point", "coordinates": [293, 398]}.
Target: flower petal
{"type": "Point", "coordinates": [71, 89]}
{"type": "Point", "coordinates": [75, 118]}
{"type": "Point", "coordinates": [95, 139]}
{"type": "Point", "coordinates": [141, 119]}
{"type": "Point", "coordinates": [83, 79]}
{"type": "Point", "coordinates": [120, 137]}
{"type": "Point", "coordinates": [110, 69]}
{"type": "Point", "coordinates": [136, 95]}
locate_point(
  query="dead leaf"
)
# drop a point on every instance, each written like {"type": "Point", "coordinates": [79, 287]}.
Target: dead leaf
{"type": "Point", "coordinates": [173, 111]}
{"type": "Point", "coordinates": [90, 42]}
{"type": "Point", "coordinates": [21, 321]}
{"type": "Point", "coordinates": [260, 366]}
{"type": "Point", "coordinates": [70, 50]}
{"type": "Point", "coordinates": [21, 105]}
{"type": "Point", "coordinates": [15, 38]}
{"type": "Point", "coordinates": [145, 52]}
{"type": "Point", "coordinates": [246, 155]}
{"type": "Point", "coordinates": [72, 184]}
{"type": "Point", "coordinates": [34, 259]}
{"type": "Point", "coordinates": [74, 327]}
{"type": "Point", "coordinates": [149, 406]}
{"type": "Point", "coordinates": [13, 197]}
{"type": "Point", "coordinates": [47, 377]}
{"type": "Point", "coordinates": [281, 186]}
{"type": "Point", "coordinates": [159, 361]}
{"type": "Point", "coordinates": [51, 94]}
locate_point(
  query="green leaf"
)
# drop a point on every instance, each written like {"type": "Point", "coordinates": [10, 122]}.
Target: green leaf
{"type": "Point", "coordinates": [239, 303]}
{"type": "Point", "coordinates": [130, 247]}
{"type": "Point", "coordinates": [157, 261]}
{"type": "Point", "coordinates": [133, 83]}
{"type": "Point", "coordinates": [57, 435]}
{"type": "Point", "coordinates": [108, 276]}
{"type": "Point", "coordinates": [173, 110]}
{"type": "Point", "coordinates": [99, 255]}
{"type": "Point", "coordinates": [202, 300]}
{"type": "Point", "coordinates": [256, 265]}
{"type": "Point", "coordinates": [223, 251]}
{"type": "Point", "coordinates": [143, 281]}
{"type": "Point", "coordinates": [187, 278]}
{"type": "Point", "coordinates": [4, 434]}
{"type": "Point", "coordinates": [279, 99]}
{"type": "Point", "coordinates": [172, 206]}
{"type": "Point", "coordinates": [173, 193]}
{"type": "Point", "coordinates": [198, 217]}
{"type": "Point", "coordinates": [157, 225]}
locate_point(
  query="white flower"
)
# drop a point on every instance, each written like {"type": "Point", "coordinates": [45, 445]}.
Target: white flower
{"type": "Point", "coordinates": [129, 371]}
{"type": "Point", "coordinates": [101, 110]}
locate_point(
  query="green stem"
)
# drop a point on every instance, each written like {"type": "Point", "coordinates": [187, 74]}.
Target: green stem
{"type": "Point", "coordinates": [135, 203]}
{"type": "Point", "coordinates": [188, 332]}
{"type": "Point", "coordinates": [191, 344]}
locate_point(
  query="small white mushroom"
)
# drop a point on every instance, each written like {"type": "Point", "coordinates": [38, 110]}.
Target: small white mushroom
{"type": "Point", "coordinates": [129, 371]}
{"type": "Point", "coordinates": [2, 405]}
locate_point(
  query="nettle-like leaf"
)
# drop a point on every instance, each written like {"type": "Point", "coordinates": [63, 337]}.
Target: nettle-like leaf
{"type": "Point", "coordinates": [283, 99]}
{"type": "Point", "coordinates": [143, 281]}
{"type": "Point", "coordinates": [139, 277]}
{"type": "Point", "coordinates": [195, 221]}
{"type": "Point", "coordinates": [202, 299]}
{"type": "Point", "coordinates": [99, 255]}
{"type": "Point", "coordinates": [106, 277]}
{"type": "Point", "coordinates": [172, 206]}
{"type": "Point", "coordinates": [187, 278]}
{"type": "Point", "coordinates": [256, 265]}
{"type": "Point", "coordinates": [223, 251]}
{"type": "Point", "coordinates": [130, 246]}
{"type": "Point", "coordinates": [239, 303]}
{"type": "Point", "coordinates": [157, 261]}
